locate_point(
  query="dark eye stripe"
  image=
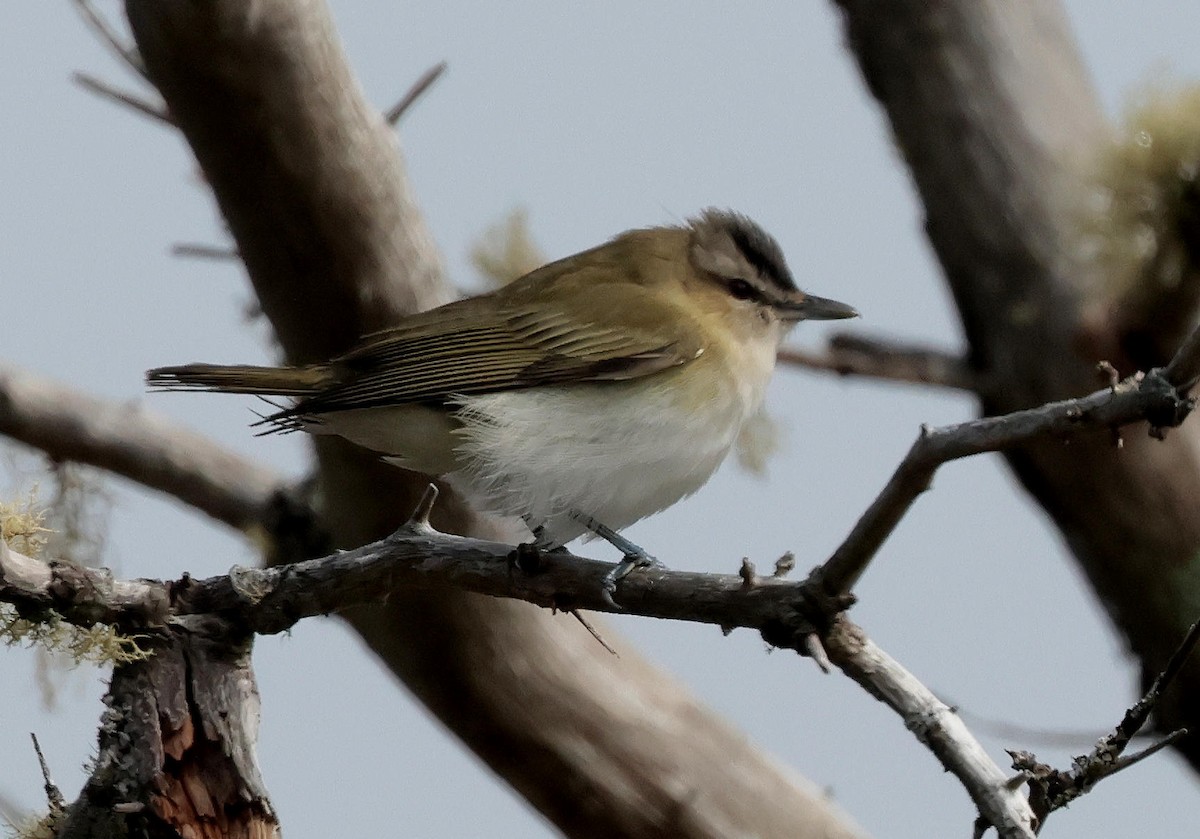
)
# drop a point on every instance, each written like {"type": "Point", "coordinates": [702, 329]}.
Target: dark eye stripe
{"type": "Point", "coordinates": [761, 251]}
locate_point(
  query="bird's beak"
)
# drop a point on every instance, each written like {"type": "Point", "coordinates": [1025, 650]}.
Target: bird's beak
{"type": "Point", "coordinates": [811, 307]}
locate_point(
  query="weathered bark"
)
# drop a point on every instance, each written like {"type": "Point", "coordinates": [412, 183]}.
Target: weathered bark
{"type": "Point", "coordinates": [996, 118]}
{"type": "Point", "coordinates": [311, 183]}
{"type": "Point", "coordinates": [176, 748]}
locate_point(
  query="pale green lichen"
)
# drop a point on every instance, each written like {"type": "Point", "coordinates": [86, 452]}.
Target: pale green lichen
{"type": "Point", "coordinates": [23, 532]}
{"type": "Point", "coordinates": [1146, 191]}
{"type": "Point", "coordinates": [98, 644]}
{"type": "Point", "coordinates": [506, 250]}
{"type": "Point", "coordinates": [22, 525]}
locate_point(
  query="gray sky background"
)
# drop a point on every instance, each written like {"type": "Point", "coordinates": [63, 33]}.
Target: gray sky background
{"type": "Point", "coordinates": [596, 119]}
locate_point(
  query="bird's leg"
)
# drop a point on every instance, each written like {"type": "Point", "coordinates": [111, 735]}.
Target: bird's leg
{"type": "Point", "coordinates": [528, 555]}
{"type": "Point", "coordinates": [635, 556]}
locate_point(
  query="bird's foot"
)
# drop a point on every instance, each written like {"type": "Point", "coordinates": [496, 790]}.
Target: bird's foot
{"type": "Point", "coordinates": [629, 563]}
{"type": "Point", "coordinates": [632, 561]}
{"type": "Point", "coordinates": [634, 556]}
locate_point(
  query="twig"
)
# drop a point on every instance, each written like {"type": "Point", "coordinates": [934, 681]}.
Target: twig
{"type": "Point", "coordinates": [422, 84]}
{"type": "Point", "coordinates": [198, 251]}
{"type": "Point", "coordinates": [857, 355]}
{"type": "Point", "coordinates": [1052, 789]}
{"type": "Point", "coordinates": [1006, 730]}
{"type": "Point", "coordinates": [99, 25]}
{"type": "Point", "coordinates": [1152, 397]}
{"type": "Point", "coordinates": [53, 794]}
{"type": "Point", "coordinates": [121, 97]}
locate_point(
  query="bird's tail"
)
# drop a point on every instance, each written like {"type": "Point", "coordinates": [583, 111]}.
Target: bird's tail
{"type": "Point", "coordinates": [242, 378]}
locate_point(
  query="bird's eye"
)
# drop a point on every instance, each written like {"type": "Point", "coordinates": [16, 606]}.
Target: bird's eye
{"type": "Point", "coordinates": [741, 289]}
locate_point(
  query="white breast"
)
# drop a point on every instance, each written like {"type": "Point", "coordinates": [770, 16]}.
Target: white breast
{"type": "Point", "coordinates": [615, 451]}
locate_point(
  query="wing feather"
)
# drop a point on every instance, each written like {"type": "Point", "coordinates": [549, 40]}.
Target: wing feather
{"type": "Point", "coordinates": [466, 348]}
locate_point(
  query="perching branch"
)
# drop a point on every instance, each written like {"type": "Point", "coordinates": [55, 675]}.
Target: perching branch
{"type": "Point", "coordinates": [271, 600]}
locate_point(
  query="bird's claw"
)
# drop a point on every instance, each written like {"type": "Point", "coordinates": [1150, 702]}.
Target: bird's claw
{"type": "Point", "coordinates": [628, 564]}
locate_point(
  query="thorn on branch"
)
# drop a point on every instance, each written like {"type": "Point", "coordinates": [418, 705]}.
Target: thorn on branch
{"type": "Point", "coordinates": [592, 631]}
{"type": "Point", "coordinates": [419, 520]}
{"type": "Point", "coordinates": [748, 573]}
{"type": "Point", "coordinates": [815, 650]}
{"type": "Point", "coordinates": [784, 565]}
{"type": "Point", "coordinates": [1109, 374]}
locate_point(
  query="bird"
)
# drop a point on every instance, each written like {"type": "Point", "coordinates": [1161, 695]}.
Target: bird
{"type": "Point", "coordinates": [582, 397]}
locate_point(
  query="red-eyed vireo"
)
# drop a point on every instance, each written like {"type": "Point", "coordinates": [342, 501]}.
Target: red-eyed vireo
{"type": "Point", "coordinates": [588, 394]}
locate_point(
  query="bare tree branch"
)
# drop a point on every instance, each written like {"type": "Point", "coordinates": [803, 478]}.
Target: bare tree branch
{"type": "Point", "coordinates": [96, 22]}
{"type": "Point", "coordinates": [121, 97]}
{"type": "Point", "coordinates": [1052, 789]}
{"type": "Point", "coordinates": [129, 441]}
{"type": "Point", "coordinates": [876, 358]}
{"type": "Point", "coordinates": [1152, 397]}
{"type": "Point", "coordinates": [1000, 803]}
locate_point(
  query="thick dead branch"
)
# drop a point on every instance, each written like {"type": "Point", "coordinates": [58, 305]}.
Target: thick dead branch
{"type": "Point", "coordinates": [128, 440]}
{"type": "Point", "coordinates": [177, 743]}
